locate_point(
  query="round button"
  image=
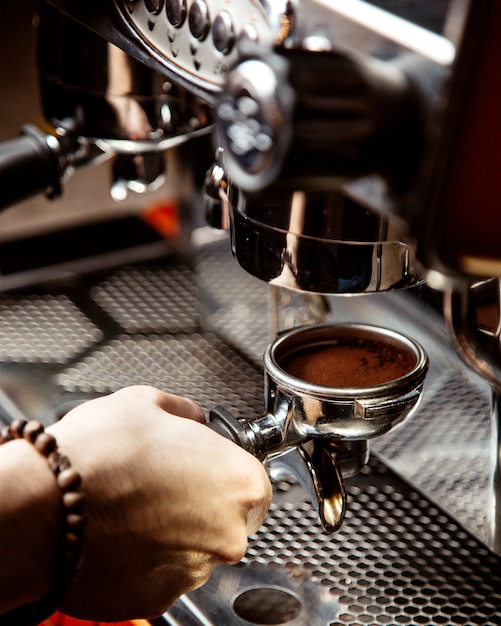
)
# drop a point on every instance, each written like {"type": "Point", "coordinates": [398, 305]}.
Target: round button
{"type": "Point", "coordinates": [176, 12]}
{"type": "Point", "coordinates": [248, 33]}
{"type": "Point", "coordinates": [223, 33]}
{"type": "Point", "coordinates": [199, 19]}
{"type": "Point", "coordinates": [154, 6]}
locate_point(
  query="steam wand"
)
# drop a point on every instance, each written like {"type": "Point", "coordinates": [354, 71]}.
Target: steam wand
{"type": "Point", "coordinates": [36, 162]}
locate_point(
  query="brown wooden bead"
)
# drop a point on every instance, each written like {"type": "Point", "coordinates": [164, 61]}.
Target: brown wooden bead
{"type": "Point", "coordinates": [72, 541]}
{"type": "Point", "coordinates": [72, 558]}
{"type": "Point", "coordinates": [64, 462]}
{"type": "Point", "coordinates": [76, 531]}
{"type": "Point", "coordinates": [74, 501]}
{"type": "Point", "coordinates": [69, 479]}
{"type": "Point", "coordinates": [17, 428]}
{"type": "Point", "coordinates": [75, 521]}
{"type": "Point", "coordinates": [32, 430]}
{"type": "Point", "coordinates": [6, 435]}
{"type": "Point", "coordinates": [45, 443]}
{"type": "Point", "coordinates": [58, 462]}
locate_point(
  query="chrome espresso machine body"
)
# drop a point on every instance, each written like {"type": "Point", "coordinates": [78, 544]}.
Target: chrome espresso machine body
{"type": "Point", "coordinates": [356, 151]}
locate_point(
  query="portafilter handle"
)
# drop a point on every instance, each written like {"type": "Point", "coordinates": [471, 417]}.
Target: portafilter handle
{"type": "Point", "coordinates": [318, 473]}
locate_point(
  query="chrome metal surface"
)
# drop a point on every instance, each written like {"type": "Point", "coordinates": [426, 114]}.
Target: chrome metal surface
{"type": "Point", "coordinates": [398, 560]}
{"type": "Point", "coordinates": [257, 594]}
{"type": "Point", "coordinates": [316, 118]}
{"type": "Point", "coordinates": [120, 108]}
{"type": "Point", "coordinates": [254, 120]}
{"type": "Point", "coordinates": [161, 37]}
{"type": "Point", "coordinates": [298, 410]}
{"type": "Point", "coordinates": [203, 42]}
{"type": "Point", "coordinates": [473, 316]}
{"type": "Point", "coordinates": [45, 329]}
{"type": "Point", "coordinates": [122, 105]}
{"type": "Point", "coordinates": [408, 553]}
{"type": "Point", "coordinates": [342, 412]}
{"type": "Point", "coordinates": [276, 235]}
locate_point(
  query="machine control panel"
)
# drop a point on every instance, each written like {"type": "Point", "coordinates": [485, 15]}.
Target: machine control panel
{"type": "Point", "coordinates": [199, 39]}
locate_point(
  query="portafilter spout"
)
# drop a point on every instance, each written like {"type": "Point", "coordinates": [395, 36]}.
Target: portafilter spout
{"type": "Point", "coordinates": [328, 390]}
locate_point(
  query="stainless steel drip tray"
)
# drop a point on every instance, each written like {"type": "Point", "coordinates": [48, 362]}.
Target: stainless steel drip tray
{"type": "Point", "coordinates": [398, 559]}
{"type": "Point", "coordinates": [243, 594]}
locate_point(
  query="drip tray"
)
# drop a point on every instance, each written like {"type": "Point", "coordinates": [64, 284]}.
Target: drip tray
{"type": "Point", "coordinates": [399, 559]}
{"type": "Point", "coordinates": [243, 595]}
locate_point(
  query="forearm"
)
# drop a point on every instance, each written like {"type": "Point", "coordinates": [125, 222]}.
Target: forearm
{"type": "Point", "coordinates": [30, 512]}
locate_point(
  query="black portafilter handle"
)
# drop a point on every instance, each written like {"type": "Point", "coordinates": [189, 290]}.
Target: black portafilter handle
{"type": "Point", "coordinates": [29, 164]}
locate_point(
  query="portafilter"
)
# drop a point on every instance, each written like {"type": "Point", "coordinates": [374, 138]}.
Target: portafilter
{"type": "Point", "coordinates": [328, 389]}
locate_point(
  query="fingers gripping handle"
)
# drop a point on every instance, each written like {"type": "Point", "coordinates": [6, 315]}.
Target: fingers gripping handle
{"type": "Point", "coordinates": [241, 433]}
{"type": "Point", "coordinates": [318, 474]}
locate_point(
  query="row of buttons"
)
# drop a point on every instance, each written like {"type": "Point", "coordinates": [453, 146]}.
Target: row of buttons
{"type": "Point", "coordinates": [197, 40]}
{"type": "Point", "coordinates": [199, 21]}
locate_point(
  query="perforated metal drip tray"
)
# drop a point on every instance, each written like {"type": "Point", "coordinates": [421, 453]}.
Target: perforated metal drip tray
{"type": "Point", "coordinates": [398, 559]}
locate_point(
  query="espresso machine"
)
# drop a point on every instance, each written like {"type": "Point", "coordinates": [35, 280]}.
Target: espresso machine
{"type": "Point", "coordinates": [346, 154]}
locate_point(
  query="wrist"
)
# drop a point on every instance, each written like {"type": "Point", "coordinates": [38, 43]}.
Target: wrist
{"type": "Point", "coordinates": [30, 521]}
{"type": "Point", "coordinates": [44, 528]}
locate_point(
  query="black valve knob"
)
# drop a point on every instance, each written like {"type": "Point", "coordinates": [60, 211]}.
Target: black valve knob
{"type": "Point", "coordinates": [29, 165]}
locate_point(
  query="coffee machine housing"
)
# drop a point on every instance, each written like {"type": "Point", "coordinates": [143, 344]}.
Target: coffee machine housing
{"type": "Point", "coordinates": [322, 105]}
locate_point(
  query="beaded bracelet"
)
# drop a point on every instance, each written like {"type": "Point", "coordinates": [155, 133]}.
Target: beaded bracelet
{"type": "Point", "coordinates": [72, 538]}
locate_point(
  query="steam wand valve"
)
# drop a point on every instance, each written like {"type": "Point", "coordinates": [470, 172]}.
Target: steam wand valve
{"type": "Point", "coordinates": [318, 473]}
{"type": "Point", "coordinates": [29, 165]}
